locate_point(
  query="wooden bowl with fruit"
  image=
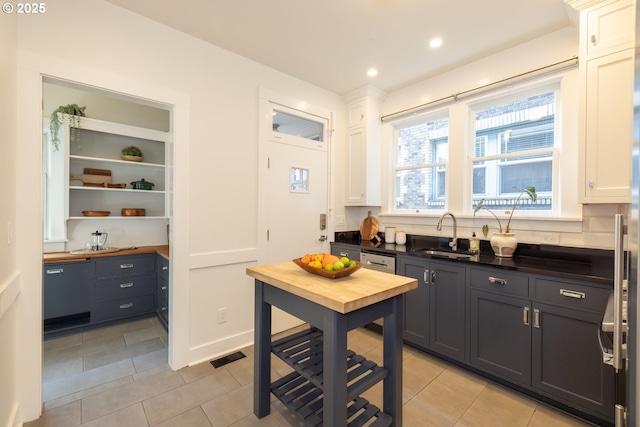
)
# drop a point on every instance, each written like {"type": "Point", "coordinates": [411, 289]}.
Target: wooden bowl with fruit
{"type": "Point", "coordinates": [327, 265]}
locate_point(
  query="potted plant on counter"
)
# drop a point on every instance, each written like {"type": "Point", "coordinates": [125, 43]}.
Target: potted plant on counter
{"type": "Point", "coordinates": [131, 153]}
{"type": "Point", "coordinates": [504, 242]}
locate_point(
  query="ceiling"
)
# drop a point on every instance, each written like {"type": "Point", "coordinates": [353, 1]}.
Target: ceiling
{"type": "Point", "coordinates": [332, 43]}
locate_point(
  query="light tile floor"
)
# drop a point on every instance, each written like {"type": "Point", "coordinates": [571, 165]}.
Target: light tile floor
{"type": "Point", "coordinates": [119, 376]}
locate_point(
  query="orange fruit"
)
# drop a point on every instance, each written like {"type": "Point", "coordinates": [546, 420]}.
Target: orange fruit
{"type": "Point", "coordinates": [329, 259]}
{"type": "Point", "coordinates": [306, 259]}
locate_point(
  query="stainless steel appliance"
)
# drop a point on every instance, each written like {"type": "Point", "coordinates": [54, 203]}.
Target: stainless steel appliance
{"type": "Point", "coordinates": [626, 298]}
{"type": "Point", "coordinates": [378, 262]}
{"type": "Point", "coordinates": [615, 325]}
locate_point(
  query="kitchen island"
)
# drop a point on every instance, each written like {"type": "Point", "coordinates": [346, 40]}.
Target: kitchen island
{"type": "Point", "coordinates": [328, 379]}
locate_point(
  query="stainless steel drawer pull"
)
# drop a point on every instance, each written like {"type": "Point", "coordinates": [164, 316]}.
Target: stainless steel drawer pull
{"type": "Point", "coordinates": [164, 288]}
{"type": "Point", "coordinates": [344, 254]}
{"type": "Point", "coordinates": [55, 271]}
{"type": "Point", "coordinates": [165, 268]}
{"type": "Point", "coordinates": [126, 285]}
{"type": "Point", "coordinates": [536, 318]}
{"type": "Point", "coordinates": [164, 309]}
{"type": "Point", "coordinates": [126, 265]}
{"type": "Point", "coordinates": [497, 280]}
{"type": "Point", "coordinates": [525, 315]}
{"type": "Point", "coordinates": [572, 294]}
{"type": "Point", "coordinates": [127, 305]}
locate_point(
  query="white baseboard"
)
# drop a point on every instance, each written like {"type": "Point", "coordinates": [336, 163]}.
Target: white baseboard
{"type": "Point", "coordinates": [220, 348]}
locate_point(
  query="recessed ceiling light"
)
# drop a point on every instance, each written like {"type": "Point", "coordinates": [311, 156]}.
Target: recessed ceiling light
{"type": "Point", "coordinates": [372, 72]}
{"type": "Point", "coordinates": [437, 42]}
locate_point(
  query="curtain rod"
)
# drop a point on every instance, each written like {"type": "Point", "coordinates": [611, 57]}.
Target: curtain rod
{"type": "Point", "coordinates": [456, 96]}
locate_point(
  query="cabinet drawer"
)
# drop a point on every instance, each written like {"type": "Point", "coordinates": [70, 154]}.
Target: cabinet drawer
{"type": "Point", "coordinates": [125, 266]}
{"type": "Point", "coordinates": [571, 295]}
{"type": "Point", "coordinates": [123, 308]}
{"type": "Point", "coordinates": [349, 252]}
{"type": "Point", "coordinates": [500, 281]}
{"type": "Point", "coordinates": [124, 287]}
{"type": "Point", "coordinates": [163, 268]}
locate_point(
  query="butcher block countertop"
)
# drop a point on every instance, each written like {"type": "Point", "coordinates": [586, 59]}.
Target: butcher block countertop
{"type": "Point", "coordinates": [364, 287]}
{"type": "Point", "coordinates": [68, 257]}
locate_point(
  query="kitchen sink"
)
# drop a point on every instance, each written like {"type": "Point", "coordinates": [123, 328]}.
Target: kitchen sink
{"type": "Point", "coordinates": [445, 254]}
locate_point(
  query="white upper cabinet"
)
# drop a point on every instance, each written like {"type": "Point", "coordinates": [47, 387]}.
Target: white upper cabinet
{"type": "Point", "coordinates": [363, 145]}
{"type": "Point", "coordinates": [606, 63]}
{"type": "Point", "coordinates": [610, 28]}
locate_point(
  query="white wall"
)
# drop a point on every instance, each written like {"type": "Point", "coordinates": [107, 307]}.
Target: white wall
{"type": "Point", "coordinates": [216, 186]}
{"type": "Point", "coordinates": [9, 273]}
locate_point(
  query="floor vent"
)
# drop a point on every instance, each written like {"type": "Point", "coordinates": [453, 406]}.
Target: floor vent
{"type": "Point", "coordinates": [228, 359]}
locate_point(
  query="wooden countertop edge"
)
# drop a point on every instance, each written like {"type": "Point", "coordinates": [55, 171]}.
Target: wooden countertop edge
{"type": "Point", "coordinates": [363, 288]}
{"type": "Point", "coordinates": [52, 257]}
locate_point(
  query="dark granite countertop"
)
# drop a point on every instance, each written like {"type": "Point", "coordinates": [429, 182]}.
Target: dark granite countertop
{"type": "Point", "coordinates": [594, 265]}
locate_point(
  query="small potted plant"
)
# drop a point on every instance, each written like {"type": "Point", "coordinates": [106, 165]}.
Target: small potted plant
{"type": "Point", "coordinates": [131, 153]}
{"type": "Point", "coordinates": [504, 242]}
{"type": "Point", "coordinates": [75, 112]}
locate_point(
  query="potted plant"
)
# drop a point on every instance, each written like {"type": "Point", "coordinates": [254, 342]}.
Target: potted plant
{"type": "Point", "coordinates": [504, 242]}
{"type": "Point", "coordinates": [131, 153]}
{"type": "Point", "coordinates": [75, 112]}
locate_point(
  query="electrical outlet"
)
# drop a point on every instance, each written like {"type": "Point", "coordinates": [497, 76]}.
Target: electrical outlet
{"type": "Point", "coordinates": [222, 315]}
{"type": "Point", "coordinates": [551, 238]}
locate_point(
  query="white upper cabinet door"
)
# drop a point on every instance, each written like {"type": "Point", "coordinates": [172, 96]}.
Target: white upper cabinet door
{"type": "Point", "coordinates": [610, 28]}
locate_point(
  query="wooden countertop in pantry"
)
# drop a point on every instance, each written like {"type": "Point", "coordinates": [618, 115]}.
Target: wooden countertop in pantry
{"type": "Point", "coordinates": [364, 287]}
{"type": "Point", "coordinates": [69, 257]}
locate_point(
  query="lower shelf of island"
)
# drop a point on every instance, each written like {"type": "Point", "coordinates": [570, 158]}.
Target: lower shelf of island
{"type": "Point", "coordinates": [302, 390]}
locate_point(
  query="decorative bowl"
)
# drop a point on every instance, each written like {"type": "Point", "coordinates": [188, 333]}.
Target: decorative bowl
{"type": "Point", "coordinates": [347, 271]}
{"type": "Point", "coordinates": [96, 213]}
{"type": "Point", "coordinates": [133, 212]}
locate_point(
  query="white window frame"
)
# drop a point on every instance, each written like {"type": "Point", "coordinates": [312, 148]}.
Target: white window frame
{"type": "Point", "coordinates": [436, 166]}
{"type": "Point", "coordinates": [503, 98]}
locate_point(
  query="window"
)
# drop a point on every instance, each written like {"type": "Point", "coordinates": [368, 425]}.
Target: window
{"type": "Point", "coordinates": [514, 148]}
{"type": "Point", "coordinates": [421, 157]}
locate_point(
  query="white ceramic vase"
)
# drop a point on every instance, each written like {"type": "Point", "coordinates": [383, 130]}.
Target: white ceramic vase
{"type": "Point", "coordinates": [504, 244]}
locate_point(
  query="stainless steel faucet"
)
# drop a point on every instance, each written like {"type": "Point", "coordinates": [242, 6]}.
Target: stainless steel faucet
{"type": "Point", "coordinates": [454, 242]}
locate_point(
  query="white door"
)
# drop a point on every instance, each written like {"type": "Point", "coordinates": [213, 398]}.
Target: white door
{"type": "Point", "coordinates": [294, 183]}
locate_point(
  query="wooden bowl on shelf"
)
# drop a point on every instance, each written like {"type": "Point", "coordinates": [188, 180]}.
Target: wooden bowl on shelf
{"type": "Point", "coordinates": [96, 213]}
{"type": "Point", "coordinates": [131, 158]}
{"type": "Point", "coordinates": [133, 212]}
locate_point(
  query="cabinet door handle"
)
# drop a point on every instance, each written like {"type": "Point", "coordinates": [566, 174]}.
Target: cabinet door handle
{"type": "Point", "coordinates": [165, 268]}
{"type": "Point", "coordinates": [433, 277]}
{"type": "Point", "coordinates": [572, 294]}
{"type": "Point", "coordinates": [594, 39]}
{"type": "Point", "coordinates": [425, 276]}
{"type": "Point", "coordinates": [525, 315]}
{"type": "Point", "coordinates": [497, 280]}
{"type": "Point", "coordinates": [55, 271]}
{"type": "Point", "coordinates": [126, 265]}
{"type": "Point", "coordinates": [536, 318]}
{"type": "Point", "coordinates": [164, 288]}
{"type": "Point", "coordinates": [163, 308]}
{"type": "Point", "coordinates": [127, 305]}
{"type": "Point", "coordinates": [126, 285]}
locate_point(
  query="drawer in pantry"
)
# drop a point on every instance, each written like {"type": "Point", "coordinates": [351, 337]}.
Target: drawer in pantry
{"type": "Point", "coordinates": [571, 294]}
{"type": "Point", "coordinates": [500, 281]}
{"type": "Point", "coordinates": [163, 268]}
{"type": "Point", "coordinates": [123, 308]}
{"type": "Point", "coordinates": [124, 287]}
{"type": "Point", "coordinates": [125, 266]}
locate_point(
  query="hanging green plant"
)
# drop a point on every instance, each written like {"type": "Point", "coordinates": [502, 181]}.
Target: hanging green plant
{"type": "Point", "coordinates": [75, 112]}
